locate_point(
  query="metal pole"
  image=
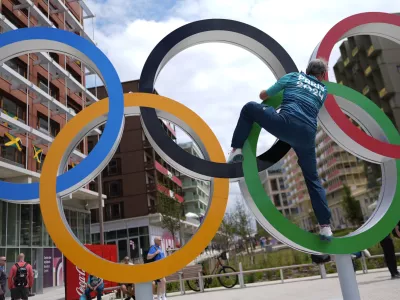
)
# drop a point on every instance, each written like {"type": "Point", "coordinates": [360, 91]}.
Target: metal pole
{"type": "Point", "coordinates": [322, 271]}
{"type": "Point", "coordinates": [347, 277]}
{"type": "Point", "coordinates": [241, 279]}
{"type": "Point", "coordinates": [282, 277]}
{"type": "Point", "coordinates": [100, 191]}
{"type": "Point", "coordinates": [144, 291]}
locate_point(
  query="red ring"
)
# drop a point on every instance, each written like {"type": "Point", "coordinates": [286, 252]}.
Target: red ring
{"type": "Point", "coordinates": [324, 51]}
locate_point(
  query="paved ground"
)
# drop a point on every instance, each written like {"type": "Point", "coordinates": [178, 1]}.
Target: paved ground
{"type": "Point", "coordinates": [376, 285]}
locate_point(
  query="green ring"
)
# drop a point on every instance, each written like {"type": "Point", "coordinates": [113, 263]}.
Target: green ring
{"type": "Point", "coordinates": [340, 245]}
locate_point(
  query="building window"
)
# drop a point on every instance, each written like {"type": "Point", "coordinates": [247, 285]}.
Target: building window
{"type": "Point", "coordinates": [10, 153]}
{"type": "Point", "coordinates": [90, 146]}
{"type": "Point", "coordinates": [43, 84]}
{"type": "Point", "coordinates": [13, 107]}
{"type": "Point", "coordinates": [277, 200]}
{"type": "Point", "coordinates": [74, 74]}
{"type": "Point", "coordinates": [73, 104]}
{"type": "Point", "coordinates": [113, 168]}
{"type": "Point", "coordinates": [113, 188]}
{"type": "Point", "coordinates": [11, 17]}
{"type": "Point", "coordinates": [55, 56]}
{"type": "Point", "coordinates": [274, 185]}
{"type": "Point", "coordinates": [114, 211]}
{"type": "Point", "coordinates": [39, 166]}
{"type": "Point", "coordinates": [42, 123]}
{"type": "Point", "coordinates": [24, 10]}
{"type": "Point", "coordinates": [18, 66]}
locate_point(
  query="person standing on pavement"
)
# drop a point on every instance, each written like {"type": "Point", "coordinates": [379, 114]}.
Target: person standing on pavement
{"type": "Point", "coordinates": [20, 279]}
{"type": "Point", "coordinates": [156, 253]}
{"type": "Point", "coordinates": [3, 277]}
{"type": "Point", "coordinates": [390, 254]}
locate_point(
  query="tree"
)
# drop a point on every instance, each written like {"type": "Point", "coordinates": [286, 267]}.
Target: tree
{"type": "Point", "coordinates": [242, 222]}
{"type": "Point", "coordinates": [226, 233]}
{"type": "Point", "coordinates": [351, 207]}
{"type": "Point", "coordinates": [172, 214]}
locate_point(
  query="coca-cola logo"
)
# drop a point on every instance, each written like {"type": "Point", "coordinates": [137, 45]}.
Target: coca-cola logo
{"type": "Point", "coordinates": [80, 290]}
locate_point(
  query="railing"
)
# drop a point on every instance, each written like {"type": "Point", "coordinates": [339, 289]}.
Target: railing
{"type": "Point", "coordinates": [240, 274]}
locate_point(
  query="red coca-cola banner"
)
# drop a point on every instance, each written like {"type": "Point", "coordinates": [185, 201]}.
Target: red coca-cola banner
{"type": "Point", "coordinates": [76, 278]}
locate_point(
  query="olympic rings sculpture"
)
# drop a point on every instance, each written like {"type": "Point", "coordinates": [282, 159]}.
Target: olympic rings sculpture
{"type": "Point", "coordinates": [379, 144]}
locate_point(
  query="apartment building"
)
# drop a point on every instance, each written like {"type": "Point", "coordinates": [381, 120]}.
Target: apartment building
{"type": "Point", "coordinates": [136, 180]}
{"type": "Point", "coordinates": [39, 93]}
{"type": "Point", "coordinates": [277, 190]}
{"type": "Point", "coordinates": [195, 192]}
{"type": "Point", "coordinates": [371, 65]}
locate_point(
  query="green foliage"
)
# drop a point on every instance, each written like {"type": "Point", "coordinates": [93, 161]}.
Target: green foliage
{"type": "Point", "coordinates": [172, 213]}
{"type": "Point", "coordinates": [352, 207]}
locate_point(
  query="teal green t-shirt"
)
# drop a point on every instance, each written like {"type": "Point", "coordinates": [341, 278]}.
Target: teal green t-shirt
{"type": "Point", "coordinates": [303, 96]}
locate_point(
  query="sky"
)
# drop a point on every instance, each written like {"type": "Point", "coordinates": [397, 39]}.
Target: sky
{"type": "Point", "coordinates": [215, 80]}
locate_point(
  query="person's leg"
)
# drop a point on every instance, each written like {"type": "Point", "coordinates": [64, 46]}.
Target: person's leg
{"type": "Point", "coordinates": [24, 293]}
{"type": "Point", "coordinates": [263, 115]}
{"type": "Point", "coordinates": [87, 293]}
{"type": "Point", "coordinates": [99, 291]}
{"type": "Point", "coordinates": [164, 288]}
{"type": "Point", "coordinates": [390, 256]}
{"type": "Point", "coordinates": [307, 161]}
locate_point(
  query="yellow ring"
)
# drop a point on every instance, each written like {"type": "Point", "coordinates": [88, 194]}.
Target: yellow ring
{"type": "Point", "coordinates": [80, 255]}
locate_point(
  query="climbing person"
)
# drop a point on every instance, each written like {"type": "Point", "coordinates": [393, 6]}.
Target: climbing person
{"type": "Point", "coordinates": [296, 124]}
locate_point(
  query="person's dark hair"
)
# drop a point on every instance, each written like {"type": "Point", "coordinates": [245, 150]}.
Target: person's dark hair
{"type": "Point", "coordinates": [317, 67]}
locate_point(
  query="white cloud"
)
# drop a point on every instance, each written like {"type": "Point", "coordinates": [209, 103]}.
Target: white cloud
{"type": "Point", "coordinates": [215, 80]}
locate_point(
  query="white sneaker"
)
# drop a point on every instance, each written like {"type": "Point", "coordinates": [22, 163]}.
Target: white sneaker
{"type": "Point", "coordinates": [325, 233]}
{"type": "Point", "coordinates": [235, 156]}
{"type": "Point", "coordinates": [366, 253]}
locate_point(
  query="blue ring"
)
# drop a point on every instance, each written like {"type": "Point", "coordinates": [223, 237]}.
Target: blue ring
{"type": "Point", "coordinates": [115, 122]}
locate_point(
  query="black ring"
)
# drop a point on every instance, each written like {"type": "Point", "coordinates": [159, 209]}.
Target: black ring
{"type": "Point", "coordinates": [149, 75]}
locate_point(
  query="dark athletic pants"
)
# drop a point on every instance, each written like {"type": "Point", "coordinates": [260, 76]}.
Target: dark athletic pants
{"type": "Point", "coordinates": [297, 134]}
{"type": "Point", "coordinates": [389, 254]}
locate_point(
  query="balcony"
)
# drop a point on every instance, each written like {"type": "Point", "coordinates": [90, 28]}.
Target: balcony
{"type": "Point", "coordinates": [166, 191]}
{"type": "Point", "coordinates": [167, 173]}
{"type": "Point", "coordinates": [354, 51]}
{"type": "Point", "coordinates": [372, 51]}
{"type": "Point", "coordinates": [55, 69]}
{"type": "Point", "coordinates": [366, 90]}
{"type": "Point", "coordinates": [151, 187]}
{"type": "Point", "coordinates": [146, 144]}
{"type": "Point", "coordinates": [149, 165]}
{"type": "Point", "coordinates": [41, 138]}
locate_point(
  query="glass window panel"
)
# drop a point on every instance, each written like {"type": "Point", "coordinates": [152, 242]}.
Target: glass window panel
{"type": "Point", "coordinates": [36, 226]}
{"type": "Point", "coordinates": [73, 222]}
{"type": "Point", "coordinates": [26, 223]}
{"type": "Point", "coordinates": [27, 252]}
{"type": "Point", "coordinates": [144, 230]}
{"type": "Point", "coordinates": [144, 242]}
{"type": "Point", "coordinates": [133, 231]}
{"type": "Point", "coordinates": [2, 251]}
{"type": "Point", "coordinates": [13, 224]}
{"type": "Point", "coordinates": [122, 249]}
{"type": "Point", "coordinates": [121, 233]}
{"type": "Point", "coordinates": [111, 235]}
{"type": "Point", "coordinates": [135, 251]}
{"type": "Point", "coordinates": [87, 229]}
{"type": "Point", "coordinates": [3, 223]}
{"type": "Point", "coordinates": [96, 238]}
{"type": "Point", "coordinates": [11, 255]}
{"type": "Point", "coordinates": [46, 237]}
{"type": "Point", "coordinates": [81, 226]}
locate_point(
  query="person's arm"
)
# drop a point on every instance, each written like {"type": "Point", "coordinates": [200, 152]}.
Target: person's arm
{"type": "Point", "coordinates": [276, 88]}
{"type": "Point", "coordinates": [152, 253]}
{"type": "Point", "coordinates": [30, 276]}
{"type": "Point", "coordinates": [11, 277]}
{"type": "Point", "coordinates": [100, 282]}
